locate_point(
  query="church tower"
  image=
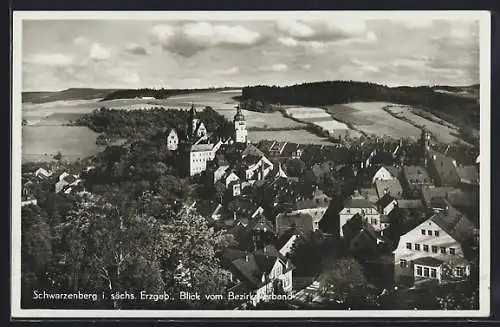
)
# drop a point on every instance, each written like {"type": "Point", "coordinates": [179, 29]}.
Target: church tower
{"type": "Point", "coordinates": [240, 127]}
{"type": "Point", "coordinates": [425, 145]}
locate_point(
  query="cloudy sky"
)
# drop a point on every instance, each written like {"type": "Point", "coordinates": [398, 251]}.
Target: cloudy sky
{"type": "Point", "coordinates": [59, 54]}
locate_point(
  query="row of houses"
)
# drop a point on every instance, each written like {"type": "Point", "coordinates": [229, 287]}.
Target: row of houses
{"type": "Point", "coordinates": [436, 247]}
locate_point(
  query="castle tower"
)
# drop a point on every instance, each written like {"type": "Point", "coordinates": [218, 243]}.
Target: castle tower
{"type": "Point", "coordinates": [240, 127]}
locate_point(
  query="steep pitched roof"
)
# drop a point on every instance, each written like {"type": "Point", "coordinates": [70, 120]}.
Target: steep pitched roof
{"type": "Point", "coordinates": [410, 203]}
{"type": "Point", "coordinates": [352, 202]}
{"type": "Point", "coordinates": [318, 200]}
{"type": "Point", "coordinates": [286, 235]}
{"type": "Point", "coordinates": [430, 193]}
{"type": "Point", "coordinates": [252, 150]}
{"type": "Point", "coordinates": [290, 149]}
{"type": "Point", "coordinates": [445, 167]}
{"type": "Point", "coordinates": [416, 175]}
{"type": "Point", "coordinates": [454, 223]}
{"type": "Point", "coordinates": [393, 170]}
{"type": "Point", "coordinates": [468, 174]}
{"type": "Point", "coordinates": [391, 186]}
{"type": "Point", "coordinates": [385, 200]}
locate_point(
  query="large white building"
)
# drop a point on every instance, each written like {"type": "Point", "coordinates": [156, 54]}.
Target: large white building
{"type": "Point", "coordinates": [434, 249]}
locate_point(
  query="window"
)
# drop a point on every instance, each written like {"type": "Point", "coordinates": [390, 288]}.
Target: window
{"type": "Point", "coordinates": [459, 271]}
{"type": "Point", "coordinates": [436, 233]}
{"type": "Point", "coordinates": [426, 248]}
{"type": "Point", "coordinates": [417, 247]}
{"type": "Point", "coordinates": [429, 232]}
{"type": "Point", "coordinates": [433, 273]}
{"type": "Point", "coordinates": [419, 271]}
{"type": "Point", "coordinates": [408, 246]}
{"type": "Point", "coordinates": [426, 272]}
{"type": "Point", "coordinates": [403, 263]}
{"type": "Point", "coordinates": [423, 231]}
{"type": "Point", "coordinates": [452, 251]}
{"type": "Point", "coordinates": [434, 249]}
{"type": "Point", "coordinates": [374, 221]}
{"type": "Point", "coordinates": [443, 250]}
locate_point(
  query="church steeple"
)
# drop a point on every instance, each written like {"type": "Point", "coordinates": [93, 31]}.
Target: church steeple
{"type": "Point", "coordinates": [239, 115]}
{"type": "Point", "coordinates": [240, 128]}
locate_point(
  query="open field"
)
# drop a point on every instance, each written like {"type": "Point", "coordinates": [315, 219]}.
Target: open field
{"type": "Point", "coordinates": [41, 143]}
{"type": "Point", "coordinates": [321, 119]}
{"type": "Point", "coordinates": [371, 118]}
{"type": "Point", "coordinates": [443, 133]}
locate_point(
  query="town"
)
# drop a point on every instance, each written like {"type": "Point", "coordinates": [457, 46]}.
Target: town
{"type": "Point", "coordinates": [370, 223]}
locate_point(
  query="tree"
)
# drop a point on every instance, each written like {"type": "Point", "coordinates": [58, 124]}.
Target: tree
{"type": "Point", "coordinates": [345, 276]}
{"type": "Point", "coordinates": [58, 156]}
{"type": "Point", "coordinates": [306, 254]}
{"type": "Point", "coordinates": [295, 167]}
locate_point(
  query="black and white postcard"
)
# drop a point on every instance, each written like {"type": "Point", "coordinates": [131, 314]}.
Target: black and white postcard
{"type": "Point", "coordinates": [251, 164]}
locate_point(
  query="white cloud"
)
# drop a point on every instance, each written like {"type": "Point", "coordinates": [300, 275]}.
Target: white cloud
{"type": "Point", "coordinates": [231, 71]}
{"type": "Point", "coordinates": [51, 59]}
{"type": "Point", "coordinates": [306, 66]}
{"type": "Point", "coordinates": [189, 39]}
{"type": "Point", "coordinates": [98, 52]}
{"type": "Point", "coordinates": [136, 49]}
{"type": "Point", "coordinates": [274, 68]}
{"type": "Point", "coordinates": [414, 23]}
{"type": "Point", "coordinates": [288, 41]}
{"type": "Point", "coordinates": [81, 41]}
{"type": "Point", "coordinates": [295, 29]}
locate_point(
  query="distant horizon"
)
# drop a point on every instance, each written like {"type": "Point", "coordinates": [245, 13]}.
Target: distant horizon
{"type": "Point", "coordinates": [241, 87]}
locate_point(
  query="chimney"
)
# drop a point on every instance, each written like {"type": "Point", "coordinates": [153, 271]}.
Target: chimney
{"type": "Point", "coordinates": [454, 162]}
{"type": "Point", "coordinates": [234, 215]}
{"type": "Point", "coordinates": [246, 257]}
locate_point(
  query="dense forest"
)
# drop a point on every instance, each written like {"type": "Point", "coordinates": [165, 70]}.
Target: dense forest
{"type": "Point", "coordinates": [137, 124]}
{"type": "Point", "coordinates": [156, 93]}
{"type": "Point", "coordinates": [461, 111]}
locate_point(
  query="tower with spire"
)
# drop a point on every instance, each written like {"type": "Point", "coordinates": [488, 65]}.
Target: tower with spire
{"type": "Point", "coordinates": [240, 133]}
{"type": "Point", "coordinates": [425, 145]}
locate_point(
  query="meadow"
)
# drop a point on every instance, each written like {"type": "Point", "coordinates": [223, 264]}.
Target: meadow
{"type": "Point", "coordinates": [371, 118]}
{"type": "Point", "coordinates": [443, 133]}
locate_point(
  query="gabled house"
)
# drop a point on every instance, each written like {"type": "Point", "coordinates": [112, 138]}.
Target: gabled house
{"type": "Point", "coordinates": [285, 242]}
{"type": "Point", "coordinates": [434, 248]}
{"type": "Point", "coordinates": [256, 168]}
{"type": "Point", "coordinates": [172, 140]}
{"type": "Point", "coordinates": [386, 204]}
{"type": "Point", "coordinates": [360, 237]}
{"type": "Point", "coordinates": [413, 178]}
{"type": "Point", "coordinates": [357, 204]}
{"type": "Point", "coordinates": [385, 173]}
{"type": "Point", "coordinates": [261, 273]}
{"type": "Point", "coordinates": [390, 186]}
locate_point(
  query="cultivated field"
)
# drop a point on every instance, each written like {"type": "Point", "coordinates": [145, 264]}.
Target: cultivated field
{"type": "Point", "coordinates": [322, 119]}
{"type": "Point", "coordinates": [41, 143]}
{"type": "Point", "coordinates": [443, 133]}
{"type": "Point", "coordinates": [371, 118]}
